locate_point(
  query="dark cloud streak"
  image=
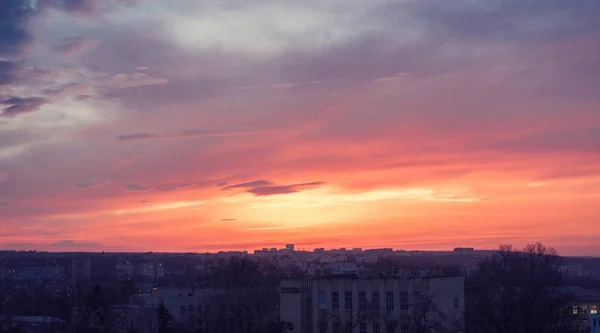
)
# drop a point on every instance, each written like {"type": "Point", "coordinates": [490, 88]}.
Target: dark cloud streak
{"type": "Point", "coordinates": [182, 135]}
{"type": "Point", "coordinates": [282, 189]}
{"type": "Point", "coordinates": [18, 105]}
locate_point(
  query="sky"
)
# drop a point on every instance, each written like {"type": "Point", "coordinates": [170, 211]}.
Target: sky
{"type": "Point", "coordinates": [208, 125]}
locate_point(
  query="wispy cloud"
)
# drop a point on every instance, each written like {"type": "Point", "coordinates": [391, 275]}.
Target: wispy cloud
{"type": "Point", "coordinates": [136, 188]}
{"type": "Point", "coordinates": [91, 183]}
{"type": "Point", "coordinates": [183, 135]}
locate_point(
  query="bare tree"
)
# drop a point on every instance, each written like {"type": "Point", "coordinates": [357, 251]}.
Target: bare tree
{"type": "Point", "coordinates": [390, 320]}
{"type": "Point", "coordinates": [518, 292]}
{"type": "Point", "coordinates": [425, 314]}
{"type": "Point", "coordinates": [348, 320]}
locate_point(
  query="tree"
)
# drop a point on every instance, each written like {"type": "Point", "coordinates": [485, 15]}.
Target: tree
{"type": "Point", "coordinates": [348, 320]}
{"type": "Point", "coordinates": [518, 292]}
{"type": "Point", "coordinates": [164, 319]}
{"type": "Point", "coordinates": [93, 312]}
{"type": "Point", "coordinates": [425, 315]}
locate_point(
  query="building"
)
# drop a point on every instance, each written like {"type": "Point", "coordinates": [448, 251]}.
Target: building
{"type": "Point", "coordinates": [344, 304]}
{"type": "Point", "coordinates": [595, 323]}
{"type": "Point", "coordinates": [183, 303]}
{"type": "Point", "coordinates": [33, 324]}
{"type": "Point", "coordinates": [80, 269]}
{"type": "Point", "coordinates": [151, 270]}
{"type": "Point", "coordinates": [289, 247]}
{"type": "Point", "coordinates": [124, 270]}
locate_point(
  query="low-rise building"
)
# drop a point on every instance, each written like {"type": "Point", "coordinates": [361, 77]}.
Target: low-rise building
{"type": "Point", "coordinates": [344, 304]}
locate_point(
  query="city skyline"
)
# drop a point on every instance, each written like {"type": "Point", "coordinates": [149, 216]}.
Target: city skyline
{"type": "Point", "coordinates": [193, 126]}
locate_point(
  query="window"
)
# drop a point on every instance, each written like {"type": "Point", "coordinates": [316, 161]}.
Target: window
{"type": "Point", "coordinates": [348, 300]}
{"type": "Point", "coordinates": [456, 302]}
{"type": "Point", "coordinates": [322, 326]}
{"type": "Point", "coordinates": [336, 327]}
{"type": "Point", "coordinates": [362, 300]}
{"type": "Point", "coordinates": [376, 327]}
{"type": "Point", "coordinates": [389, 300]}
{"type": "Point", "coordinates": [404, 328]}
{"type": "Point", "coordinates": [403, 301]}
{"type": "Point", "coordinates": [348, 327]}
{"type": "Point", "coordinates": [417, 297]}
{"type": "Point", "coordinates": [375, 300]}
{"type": "Point", "coordinates": [594, 323]}
{"type": "Point", "coordinates": [363, 327]}
{"type": "Point", "coordinates": [335, 300]}
{"type": "Point", "coordinates": [322, 301]}
{"type": "Point", "coordinates": [575, 309]}
{"type": "Point", "coordinates": [593, 309]}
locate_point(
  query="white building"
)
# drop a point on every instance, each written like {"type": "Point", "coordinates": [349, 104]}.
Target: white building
{"type": "Point", "coordinates": [370, 305]}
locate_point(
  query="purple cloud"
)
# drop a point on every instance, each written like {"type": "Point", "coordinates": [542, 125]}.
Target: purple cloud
{"type": "Point", "coordinates": [136, 188]}
{"type": "Point", "coordinates": [283, 189]}
{"type": "Point", "coordinates": [246, 185]}
{"type": "Point", "coordinates": [18, 105]}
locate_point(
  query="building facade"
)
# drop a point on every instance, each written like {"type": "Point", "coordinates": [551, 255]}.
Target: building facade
{"type": "Point", "coordinates": [370, 305]}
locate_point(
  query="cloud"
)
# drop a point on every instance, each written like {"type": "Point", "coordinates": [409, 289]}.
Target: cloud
{"type": "Point", "coordinates": [228, 220]}
{"type": "Point", "coordinates": [178, 187]}
{"type": "Point", "coordinates": [18, 105]}
{"type": "Point", "coordinates": [183, 135]}
{"type": "Point", "coordinates": [74, 45]}
{"type": "Point", "coordinates": [9, 71]}
{"type": "Point", "coordinates": [265, 187]}
{"type": "Point", "coordinates": [126, 162]}
{"type": "Point", "coordinates": [137, 188]}
{"type": "Point", "coordinates": [20, 245]}
{"type": "Point", "coordinates": [14, 16]}
{"type": "Point", "coordinates": [69, 89]}
{"type": "Point", "coordinates": [134, 80]}
{"type": "Point", "coordinates": [4, 202]}
{"type": "Point", "coordinates": [283, 189]}
{"type": "Point", "coordinates": [246, 185]}
{"type": "Point", "coordinates": [568, 140]}
{"type": "Point", "coordinates": [91, 183]}
{"type": "Point", "coordinates": [4, 175]}
{"type": "Point", "coordinates": [74, 244]}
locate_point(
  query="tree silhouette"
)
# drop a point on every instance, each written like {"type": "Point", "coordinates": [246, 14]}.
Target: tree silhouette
{"type": "Point", "coordinates": [518, 292]}
{"type": "Point", "coordinates": [164, 318]}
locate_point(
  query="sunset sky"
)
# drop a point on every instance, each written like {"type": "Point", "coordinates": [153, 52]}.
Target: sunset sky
{"type": "Point", "coordinates": [207, 125]}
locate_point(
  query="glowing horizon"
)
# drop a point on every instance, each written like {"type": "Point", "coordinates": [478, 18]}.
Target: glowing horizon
{"type": "Point", "coordinates": [195, 126]}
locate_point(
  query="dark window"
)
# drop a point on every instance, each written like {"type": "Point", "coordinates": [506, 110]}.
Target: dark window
{"type": "Point", "coordinates": [456, 302]}
{"type": "Point", "coordinates": [322, 326]}
{"type": "Point", "coordinates": [404, 328]}
{"type": "Point", "coordinates": [417, 296]}
{"type": "Point", "coordinates": [363, 327]}
{"type": "Point", "coordinates": [335, 300]}
{"type": "Point", "coordinates": [389, 300]}
{"type": "Point", "coordinates": [322, 300]}
{"type": "Point", "coordinates": [375, 300]}
{"type": "Point", "coordinates": [403, 301]}
{"type": "Point", "coordinates": [348, 300]}
{"type": "Point", "coordinates": [362, 300]}
{"type": "Point", "coordinates": [336, 327]}
{"type": "Point", "coordinates": [376, 327]}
